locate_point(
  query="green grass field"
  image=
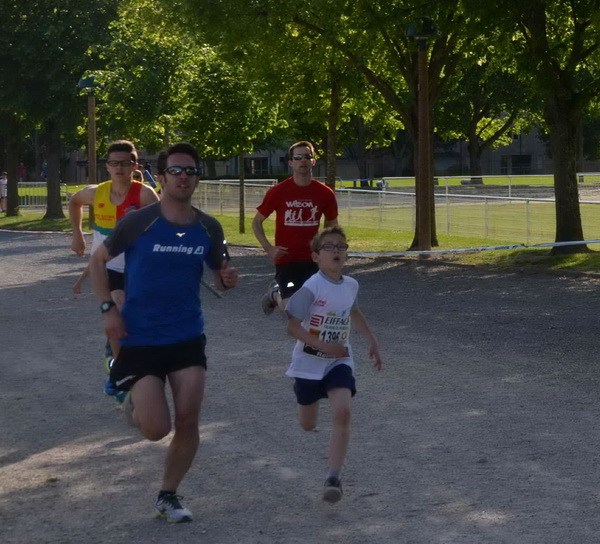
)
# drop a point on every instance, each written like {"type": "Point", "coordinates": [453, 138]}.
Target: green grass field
{"type": "Point", "coordinates": [409, 182]}
{"type": "Point", "coordinates": [371, 239]}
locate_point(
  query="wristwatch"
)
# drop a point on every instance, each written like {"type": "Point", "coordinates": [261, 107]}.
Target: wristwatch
{"type": "Point", "coordinates": [107, 305]}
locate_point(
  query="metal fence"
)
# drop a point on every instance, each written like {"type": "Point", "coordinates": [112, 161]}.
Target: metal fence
{"type": "Point", "coordinates": [35, 194]}
{"type": "Point", "coordinates": [514, 219]}
{"type": "Point", "coordinates": [467, 213]}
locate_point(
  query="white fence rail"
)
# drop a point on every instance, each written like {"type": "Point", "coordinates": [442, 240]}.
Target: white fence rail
{"type": "Point", "coordinates": [527, 219]}
{"type": "Point", "coordinates": [515, 219]}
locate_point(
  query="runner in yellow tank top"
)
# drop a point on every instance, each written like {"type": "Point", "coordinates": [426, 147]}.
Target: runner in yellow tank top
{"type": "Point", "coordinates": [111, 200]}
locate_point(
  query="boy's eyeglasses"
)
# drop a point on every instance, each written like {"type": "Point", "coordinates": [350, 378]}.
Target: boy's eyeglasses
{"type": "Point", "coordinates": [331, 247]}
{"type": "Point", "coordinates": [177, 170]}
{"type": "Point", "coordinates": [300, 156]}
{"type": "Point", "coordinates": [124, 164]}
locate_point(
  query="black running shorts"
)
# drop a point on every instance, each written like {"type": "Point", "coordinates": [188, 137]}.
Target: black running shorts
{"type": "Point", "coordinates": [136, 362]}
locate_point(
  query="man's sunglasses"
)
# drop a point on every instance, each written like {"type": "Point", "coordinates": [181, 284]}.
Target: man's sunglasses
{"type": "Point", "coordinates": [124, 164]}
{"type": "Point", "coordinates": [177, 170]}
{"type": "Point", "coordinates": [301, 156]}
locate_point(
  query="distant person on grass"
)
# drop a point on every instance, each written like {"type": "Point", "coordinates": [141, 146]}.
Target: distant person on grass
{"type": "Point", "coordinates": [3, 191]}
{"type": "Point", "coordinates": [299, 203]}
{"type": "Point", "coordinates": [111, 200]}
{"type": "Point", "coordinates": [320, 314]}
{"type": "Point", "coordinates": [161, 326]}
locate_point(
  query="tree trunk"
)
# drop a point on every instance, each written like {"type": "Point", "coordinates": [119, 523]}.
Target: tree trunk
{"type": "Point", "coordinates": [12, 169]}
{"type": "Point", "coordinates": [424, 193]}
{"type": "Point", "coordinates": [332, 124]}
{"type": "Point", "coordinates": [564, 125]}
{"type": "Point", "coordinates": [54, 208]}
{"type": "Point", "coordinates": [361, 156]}
{"type": "Point", "coordinates": [13, 130]}
{"type": "Point", "coordinates": [475, 151]}
{"type": "Point", "coordinates": [211, 169]}
{"type": "Point", "coordinates": [242, 193]}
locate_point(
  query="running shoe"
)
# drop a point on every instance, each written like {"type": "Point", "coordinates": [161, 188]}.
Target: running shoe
{"type": "Point", "coordinates": [108, 362]}
{"type": "Point", "coordinates": [169, 507]}
{"type": "Point", "coordinates": [268, 301]}
{"type": "Point", "coordinates": [333, 490]}
{"type": "Point", "coordinates": [112, 391]}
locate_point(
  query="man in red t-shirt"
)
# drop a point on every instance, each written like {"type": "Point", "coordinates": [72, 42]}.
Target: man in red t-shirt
{"type": "Point", "coordinates": [299, 203]}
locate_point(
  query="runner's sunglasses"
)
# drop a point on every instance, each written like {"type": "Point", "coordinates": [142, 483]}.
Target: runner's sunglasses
{"type": "Point", "coordinates": [124, 164]}
{"type": "Point", "coordinates": [177, 170]}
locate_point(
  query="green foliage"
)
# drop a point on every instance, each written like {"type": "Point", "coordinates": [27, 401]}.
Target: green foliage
{"type": "Point", "coordinates": [43, 53]}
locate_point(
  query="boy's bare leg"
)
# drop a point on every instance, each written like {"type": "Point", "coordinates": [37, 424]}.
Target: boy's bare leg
{"type": "Point", "coordinates": [308, 414]}
{"type": "Point", "coordinates": [340, 400]}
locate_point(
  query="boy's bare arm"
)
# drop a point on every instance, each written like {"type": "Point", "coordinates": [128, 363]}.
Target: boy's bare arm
{"type": "Point", "coordinates": [296, 330]}
{"type": "Point", "coordinates": [360, 323]}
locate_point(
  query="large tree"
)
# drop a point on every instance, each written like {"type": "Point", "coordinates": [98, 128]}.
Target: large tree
{"type": "Point", "coordinates": [489, 100]}
{"type": "Point", "coordinates": [560, 47]}
{"type": "Point", "coordinates": [43, 53]}
{"type": "Point", "coordinates": [369, 36]}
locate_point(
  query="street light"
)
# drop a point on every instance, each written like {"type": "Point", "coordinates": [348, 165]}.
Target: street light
{"type": "Point", "coordinates": [89, 84]}
{"type": "Point", "coordinates": [421, 29]}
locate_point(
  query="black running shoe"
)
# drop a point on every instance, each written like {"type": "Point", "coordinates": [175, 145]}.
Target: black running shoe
{"type": "Point", "coordinates": [333, 490]}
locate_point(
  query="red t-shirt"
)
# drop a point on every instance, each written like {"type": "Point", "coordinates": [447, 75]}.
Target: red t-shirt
{"type": "Point", "coordinates": [298, 214]}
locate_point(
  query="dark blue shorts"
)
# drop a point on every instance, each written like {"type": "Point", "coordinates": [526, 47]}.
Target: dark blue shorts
{"type": "Point", "coordinates": [311, 391]}
{"type": "Point", "coordinates": [135, 362]}
{"type": "Point", "coordinates": [291, 276]}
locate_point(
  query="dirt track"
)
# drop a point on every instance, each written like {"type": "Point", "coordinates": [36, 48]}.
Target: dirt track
{"type": "Point", "coordinates": [483, 427]}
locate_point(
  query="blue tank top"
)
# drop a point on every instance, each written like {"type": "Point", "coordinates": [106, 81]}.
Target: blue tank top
{"type": "Point", "coordinates": [164, 263]}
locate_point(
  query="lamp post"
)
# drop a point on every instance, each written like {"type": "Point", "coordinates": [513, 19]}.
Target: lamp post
{"type": "Point", "coordinates": [421, 30]}
{"type": "Point", "coordinates": [89, 84]}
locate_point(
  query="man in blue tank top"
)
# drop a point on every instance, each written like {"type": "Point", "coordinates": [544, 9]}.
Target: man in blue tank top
{"type": "Point", "coordinates": [161, 327]}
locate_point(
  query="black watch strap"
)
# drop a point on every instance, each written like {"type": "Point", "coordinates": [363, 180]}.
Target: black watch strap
{"type": "Point", "coordinates": [107, 305]}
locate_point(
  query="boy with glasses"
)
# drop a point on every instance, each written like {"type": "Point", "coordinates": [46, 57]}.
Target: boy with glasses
{"type": "Point", "coordinates": [161, 326]}
{"type": "Point", "coordinates": [299, 203]}
{"type": "Point", "coordinates": [319, 317]}
{"type": "Point", "coordinates": [111, 200]}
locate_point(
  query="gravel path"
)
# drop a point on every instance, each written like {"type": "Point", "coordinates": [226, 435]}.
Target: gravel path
{"type": "Point", "coordinates": [482, 428]}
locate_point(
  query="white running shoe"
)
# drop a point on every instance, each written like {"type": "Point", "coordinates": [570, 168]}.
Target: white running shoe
{"type": "Point", "coordinates": [268, 302]}
{"type": "Point", "coordinates": [169, 507]}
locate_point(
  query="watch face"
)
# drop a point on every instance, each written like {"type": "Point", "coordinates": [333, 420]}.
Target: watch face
{"type": "Point", "coordinates": [105, 306]}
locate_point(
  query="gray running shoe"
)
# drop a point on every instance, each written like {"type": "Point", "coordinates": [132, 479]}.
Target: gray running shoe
{"type": "Point", "coordinates": [268, 301]}
{"type": "Point", "coordinates": [169, 507]}
{"type": "Point", "coordinates": [333, 490]}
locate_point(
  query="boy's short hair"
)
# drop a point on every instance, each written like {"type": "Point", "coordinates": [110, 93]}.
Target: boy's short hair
{"type": "Point", "coordinates": [182, 147]}
{"type": "Point", "coordinates": [303, 143]}
{"type": "Point", "coordinates": [317, 241]}
{"type": "Point", "coordinates": [125, 146]}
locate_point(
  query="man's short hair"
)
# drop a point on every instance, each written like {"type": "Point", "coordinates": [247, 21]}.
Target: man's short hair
{"type": "Point", "coordinates": [302, 143]}
{"type": "Point", "coordinates": [182, 147]}
{"type": "Point", "coordinates": [123, 146]}
{"type": "Point", "coordinates": [317, 241]}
